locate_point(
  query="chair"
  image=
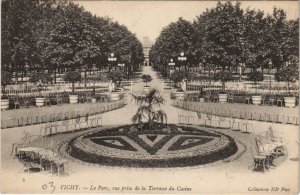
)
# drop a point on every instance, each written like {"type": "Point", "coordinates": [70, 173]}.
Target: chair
{"type": "Point", "coordinates": [24, 141]}
{"type": "Point", "coordinates": [16, 101]}
{"type": "Point", "coordinates": [279, 102]}
{"type": "Point", "coordinates": [59, 100]}
{"type": "Point", "coordinates": [230, 98]}
{"type": "Point", "coordinates": [88, 97]}
{"type": "Point", "coordinates": [247, 100]}
{"type": "Point", "coordinates": [271, 101]}
{"type": "Point", "coordinates": [263, 100]}
{"type": "Point", "coordinates": [47, 101]}
{"type": "Point", "coordinates": [27, 102]}
{"type": "Point", "coordinates": [258, 160]}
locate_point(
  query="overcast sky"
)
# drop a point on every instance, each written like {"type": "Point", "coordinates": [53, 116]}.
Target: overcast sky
{"type": "Point", "coordinates": [147, 18]}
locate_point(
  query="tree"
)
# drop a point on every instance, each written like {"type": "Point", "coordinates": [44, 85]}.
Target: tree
{"type": "Point", "coordinates": [147, 108]}
{"type": "Point", "coordinates": [223, 76]}
{"type": "Point", "coordinates": [40, 79]}
{"type": "Point", "coordinates": [289, 72]}
{"type": "Point", "coordinates": [177, 37]}
{"type": "Point", "coordinates": [5, 80]}
{"type": "Point", "coordinates": [146, 78]}
{"type": "Point", "coordinates": [98, 77]}
{"type": "Point", "coordinates": [116, 76]}
{"type": "Point", "coordinates": [73, 77]}
{"type": "Point", "coordinates": [256, 76]}
{"type": "Point", "coordinates": [179, 75]}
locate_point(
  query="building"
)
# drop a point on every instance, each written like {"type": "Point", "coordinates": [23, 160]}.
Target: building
{"type": "Point", "coordinates": [147, 44]}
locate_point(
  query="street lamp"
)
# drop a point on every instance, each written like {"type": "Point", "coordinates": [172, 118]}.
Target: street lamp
{"type": "Point", "coordinates": [171, 65]}
{"type": "Point", "coordinates": [270, 66]}
{"type": "Point", "coordinates": [112, 59]}
{"type": "Point", "coordinates": [241, 65]}
{"type": "Point", "coordinates": [182, 58]}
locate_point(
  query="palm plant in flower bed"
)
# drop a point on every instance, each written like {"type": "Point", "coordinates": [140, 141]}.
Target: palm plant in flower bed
{"type": "Point", "coordinates": [147, 109]}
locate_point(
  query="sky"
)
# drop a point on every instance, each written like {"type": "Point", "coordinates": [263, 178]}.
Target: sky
{"type": "Point", "coordinates": [147, 18]}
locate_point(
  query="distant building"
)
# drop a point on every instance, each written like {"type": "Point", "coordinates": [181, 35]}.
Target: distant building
{"type": "Point", "coordinates": [147, 44]}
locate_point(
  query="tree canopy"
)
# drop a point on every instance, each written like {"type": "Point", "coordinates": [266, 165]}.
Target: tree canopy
{"type": "Point", "coordinates": [59, 35]}
{"type": "Point", "coordinates": [226, 36]}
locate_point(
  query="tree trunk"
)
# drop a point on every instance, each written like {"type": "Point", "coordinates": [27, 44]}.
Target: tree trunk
{"type": "Point", "coordinates": [85, 77]}
{"type": "Point", "coordinates": [223, 85]}
{"type": "Point", "coordinates": [73, 87]}
{"type": "Point", "coordinates": [55, 76]}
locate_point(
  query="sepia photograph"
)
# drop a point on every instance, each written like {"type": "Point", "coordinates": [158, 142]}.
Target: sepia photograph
{"type": "Point", "coordinates": [149, 97]}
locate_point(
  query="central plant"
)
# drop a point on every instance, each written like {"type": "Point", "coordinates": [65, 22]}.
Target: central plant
{"type": "Point", "coordinates": [148, 105]}
{"type": "Point", "coordinates": [146, 78]}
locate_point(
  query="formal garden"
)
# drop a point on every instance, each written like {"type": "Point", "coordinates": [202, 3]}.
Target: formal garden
{"type": "Point", "coordinates": [76, 96]}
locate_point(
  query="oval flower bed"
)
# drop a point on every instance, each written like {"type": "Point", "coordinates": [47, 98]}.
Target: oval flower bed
{"type": "Point", "coordinates": [171, 146]}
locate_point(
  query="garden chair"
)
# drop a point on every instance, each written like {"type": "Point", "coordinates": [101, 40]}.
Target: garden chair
{"type": "Point", "coordinates": [247, 100]}
{"type": "Point", "coordinates": [216, 97]}
{"type": "Point", "coordinates": [246, 126]}
{"type": "Point", "coordinates": [259, 161]}
{"type": "Point", "coordinates": [16, 101]}
{"type": "Point", "coordinates": [47, 101]}
{"type": "Point", "coordinates": [271, 101]}
{"type": "Point", "coordinates": [27, 102]}
{"type": "Point", "coordinates": [88, 97]}
{"type": "Point", "coordinates": [279, 102]}
{"type": "Point", "coordinates": [24, 141]}
{"type": "Point", "coordinates": [263, 100]}
{"type": "Point", "coordinates": [230, 98]}
{"type": "Point", "coordinates": [235, 126]}
{"type": "Point", "coordinates": [59, 100]}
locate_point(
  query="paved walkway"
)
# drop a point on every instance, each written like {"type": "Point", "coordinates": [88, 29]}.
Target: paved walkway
{"type": "Point", "coordinates": [235, 175]}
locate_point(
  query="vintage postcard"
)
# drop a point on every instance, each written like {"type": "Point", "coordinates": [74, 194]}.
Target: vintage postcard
{"type": "Point", "coordinates": [149, 97]}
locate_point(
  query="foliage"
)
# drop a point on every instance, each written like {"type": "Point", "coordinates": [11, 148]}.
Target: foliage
{"type": "Point", "coordinates": [73, 77]}
{"type": "Point", "coordinates": [256, 76]}
{"type": "Point", "coordinates": [223, 76]}
{"type": "Point", "coordinates": [177, 37]}
{"type": "Point", "coordinates": [179, 75]}
{"type": "Point", "coordinates": [41, 78]}
{"type": "Point", "coordinates": [59, 35]}
{"type": "Point", "coordinates": [116, 76]}
{"type": "Point", "coordinates": [6, 78]}
{"type": "Point", "coordinates": [147, 108]}
{"type": "Point", "coordinates": [290, 72]}
{"type": "Point", "coordinates": [146, 78]}
{"type": "Point", "coordinates": [227, 36]}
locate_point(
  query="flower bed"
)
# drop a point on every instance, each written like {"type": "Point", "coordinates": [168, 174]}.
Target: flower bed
{"type": "Point", "coordinates": [170, 146]}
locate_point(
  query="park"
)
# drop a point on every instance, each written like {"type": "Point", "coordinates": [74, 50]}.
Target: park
{"type": "Point", "coordinates": [87, 102]}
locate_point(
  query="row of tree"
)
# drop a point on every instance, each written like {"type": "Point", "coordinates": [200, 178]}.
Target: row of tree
{"type": "Point", "coordinates": [226, 37]}
{"type": "Point", "coordinates": [39, 35]}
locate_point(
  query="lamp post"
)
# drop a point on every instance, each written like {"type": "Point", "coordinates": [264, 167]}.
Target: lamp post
{"type": "Point", "coordinates": [171, 65]}
{"type": "Point", "coordinates": [241, 65]}
{"type": "Point", "coordinates": [270, 66]}
{"type": "Point", "coordinates": [122, 66]}
{"type": "Point", "coordinates": [112, 59]}
{"type": "Point", "coordinates": [26, 67]}
{"type": "Point", "coordinates": [182, 58]}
